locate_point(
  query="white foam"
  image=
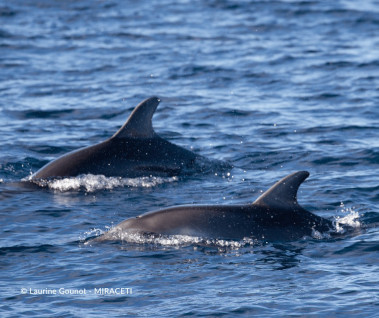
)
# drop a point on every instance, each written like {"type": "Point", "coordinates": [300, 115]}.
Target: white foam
{"type": "Point", "coordinates": [90, 182]}
{"type": "Point", "coordinates": [174, 240]}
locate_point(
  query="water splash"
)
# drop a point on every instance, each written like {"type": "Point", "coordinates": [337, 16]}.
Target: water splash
{"type": "Point", "coordinates": [351, 219]}
{"type": "Point", "coordinates": [91, 233]}
{"type": "Point", "coordinates": [91, 183]}
{"type": "Point", "coordinates": [320, 235]}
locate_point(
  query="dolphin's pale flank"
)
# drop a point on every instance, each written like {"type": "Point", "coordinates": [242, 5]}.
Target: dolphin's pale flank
{"type": "Point", "coordinates": [135, 150]}
{"type": "Point", "coordinates": [274, 216]}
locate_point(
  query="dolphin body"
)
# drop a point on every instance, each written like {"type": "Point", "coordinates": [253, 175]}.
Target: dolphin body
{"type": "Point", "coordinates": [274, 216]}
{"type": "Point", "coordinates": [135, 150]}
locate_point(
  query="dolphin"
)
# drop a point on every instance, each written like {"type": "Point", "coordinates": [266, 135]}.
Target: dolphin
{"type": "Point", "coordinates": [135, 150]}
{"type": "Point", "coordinates": [274, 216]}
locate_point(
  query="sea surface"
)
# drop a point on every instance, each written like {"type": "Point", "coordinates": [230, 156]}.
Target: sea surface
{"type": "Point", "coordinates": [272, 87]}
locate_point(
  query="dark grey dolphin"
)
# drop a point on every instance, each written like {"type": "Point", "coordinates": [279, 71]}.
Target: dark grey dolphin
{"type": "Point", "coordinates": [135, 150]}
{"type": "Point", "coordinates": [274, 216]}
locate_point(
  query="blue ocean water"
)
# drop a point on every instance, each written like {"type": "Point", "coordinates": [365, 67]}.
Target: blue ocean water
{"type": "Point", "coordinates": [272, 87]}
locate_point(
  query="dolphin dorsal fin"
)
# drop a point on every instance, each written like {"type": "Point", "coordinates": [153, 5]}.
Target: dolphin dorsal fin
{"type": "Point", "coordinates": [284, 192]}
{"type": "Point", "coordinates": [139, 124]}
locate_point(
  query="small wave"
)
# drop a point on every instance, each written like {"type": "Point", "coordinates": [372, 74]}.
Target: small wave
{"type": "Point", "coordinates": [23, 249]}
{"type": "Point", "coordinates": [7, 12]}
{"type": "Point", "coordinates": [67, 113]}
{"type": "Point", "coordinates": [91, 183]}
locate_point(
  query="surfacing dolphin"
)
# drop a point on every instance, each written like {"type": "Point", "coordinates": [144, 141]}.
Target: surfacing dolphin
{"type": "Point", "coordinates": [135, 150]}
{"type": "Point", "coordinates": [274, 216]}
